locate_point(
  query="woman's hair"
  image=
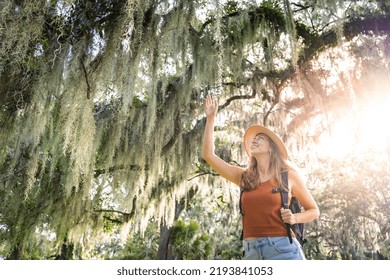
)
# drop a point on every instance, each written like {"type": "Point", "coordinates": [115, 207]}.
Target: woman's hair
{"type": "Point", "coordinates": [251, 177]}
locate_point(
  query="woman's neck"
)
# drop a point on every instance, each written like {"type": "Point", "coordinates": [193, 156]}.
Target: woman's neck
{"type": "Point", "coordinates": [263, 166]}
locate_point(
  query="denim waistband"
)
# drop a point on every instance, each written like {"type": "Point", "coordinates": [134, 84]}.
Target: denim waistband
{"type": "Point", "coordinates": [249, 244]}
{"type": "Point", "coordinates": [272, 248]}
{"type": "Point", "coordinates": [261, 241]}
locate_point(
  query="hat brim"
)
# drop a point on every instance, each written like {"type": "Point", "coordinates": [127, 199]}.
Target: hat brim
{"type": "Point", "coordinates": [254, 130]}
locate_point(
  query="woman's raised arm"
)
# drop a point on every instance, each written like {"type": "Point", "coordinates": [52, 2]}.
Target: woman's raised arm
{"type": "Point", "coordinates": [226, 170]}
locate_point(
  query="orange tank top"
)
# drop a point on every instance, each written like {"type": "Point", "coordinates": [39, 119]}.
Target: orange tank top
{"type": "Point", "coordinates": [261, 212]}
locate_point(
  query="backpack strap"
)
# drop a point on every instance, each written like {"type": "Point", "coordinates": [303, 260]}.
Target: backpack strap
{"type": "Point", "coordinates": [284, 195]}
{"type": "Point", "coordinates": [240, 202]}
{"type": "Point", "coordinates": [240, 206]}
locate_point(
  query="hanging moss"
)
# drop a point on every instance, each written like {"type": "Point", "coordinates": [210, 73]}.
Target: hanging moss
{"type": "Point", "coordinates": [101, 107]}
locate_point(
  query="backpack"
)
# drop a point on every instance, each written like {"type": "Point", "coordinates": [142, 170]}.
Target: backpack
{"type": "Point", "coordinates": [295, 207]}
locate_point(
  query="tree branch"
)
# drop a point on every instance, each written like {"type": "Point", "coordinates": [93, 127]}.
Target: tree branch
{"type": "Point", "coordinates": [133, 167]}
{"type": "Point", "coordinates": [126, 216]}
{"type": "Point", "coordinates": [202, 174]}
{"type": "Point", "coordinates": [86, 77]}
{"type": "Point", "coordinates": [238, 97]}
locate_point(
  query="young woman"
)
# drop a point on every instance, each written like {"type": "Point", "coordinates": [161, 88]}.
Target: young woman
{"type": "Point", "coordinates": [264, 230]}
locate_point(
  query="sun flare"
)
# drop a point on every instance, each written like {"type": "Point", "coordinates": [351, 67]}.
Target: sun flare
{"type": "Point", "coordinates": [364, 130]}
{"type": "Point", "coordinates": [374, 125]}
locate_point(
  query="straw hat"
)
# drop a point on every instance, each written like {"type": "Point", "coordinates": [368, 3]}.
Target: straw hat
{"type": "Point", "coordinates": [255, 129]}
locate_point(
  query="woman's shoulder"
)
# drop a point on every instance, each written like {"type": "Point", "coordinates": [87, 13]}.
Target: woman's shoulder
{"type": "Point", "coordinates": [294, 173]}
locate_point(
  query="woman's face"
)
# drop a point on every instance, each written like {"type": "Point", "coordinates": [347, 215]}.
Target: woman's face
{"type": "Point", "coordinates": [260, 144]}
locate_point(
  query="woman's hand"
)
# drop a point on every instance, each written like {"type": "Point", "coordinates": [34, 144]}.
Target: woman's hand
{"type": "Point", "coordinates": [288, 217]}
{"type": "Point", "coordinates": [211, 106]}
{"type": "Point", "coordinates": [230, 172]}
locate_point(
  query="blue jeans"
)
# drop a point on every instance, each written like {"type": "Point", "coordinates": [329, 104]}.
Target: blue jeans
{"type": "Point", "coordinates": [272, 248]}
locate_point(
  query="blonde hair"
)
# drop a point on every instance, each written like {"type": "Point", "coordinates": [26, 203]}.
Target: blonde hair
{"type": "Point", "coordinates": [251, 177]}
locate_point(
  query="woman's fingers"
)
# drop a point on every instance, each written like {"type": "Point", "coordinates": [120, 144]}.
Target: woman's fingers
{"type": "Point", "coordinates": [215, 101]}
{"type": "Point", "coordinates": [211, 101]}
{"type": "Point", "coordinates": [208, 100]}
{"type": "Point", "coordinates": [287, 216]}
{"type": "Point", "coordinates": [211, 105]}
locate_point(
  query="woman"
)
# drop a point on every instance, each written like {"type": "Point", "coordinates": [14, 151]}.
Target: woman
{"type": "Point", "coordinates": [264, 230]}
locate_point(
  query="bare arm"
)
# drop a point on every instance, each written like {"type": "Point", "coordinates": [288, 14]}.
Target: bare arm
{"type": "Point", "coordinates": [300, 191]}
{"type": "Point", "coordinates": [226, 170]}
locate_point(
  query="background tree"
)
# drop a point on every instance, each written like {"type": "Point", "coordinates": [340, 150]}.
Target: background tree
{"type": "Point", "coordinates": [101, 117]}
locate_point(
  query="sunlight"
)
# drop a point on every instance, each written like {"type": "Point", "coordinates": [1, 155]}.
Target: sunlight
{"type": "Point", "coordinates": [359, 132]}
{"type": "Point", "coordinates": [337, 142]}
{"type": "Point", "coordinates": [361, 127]}
{"type": "Point", "coordinates": [374, 125]}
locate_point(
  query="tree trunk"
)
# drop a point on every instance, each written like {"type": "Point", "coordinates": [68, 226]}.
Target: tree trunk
{"type": "Point", "coordinates": [16, 253]}
{"type": "Point", "coordinates": [66, 251]}
{"type": "Point", "coordinates": [165, 251]}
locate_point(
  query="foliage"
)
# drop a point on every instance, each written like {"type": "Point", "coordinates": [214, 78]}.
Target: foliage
{"type": "Point", "coordinates": [101, 115]}
{"type": "Point", "coordinates": [138, 246]}
{"type": "Point", "coordinates": [215, 210]}
{"type": "Point", "coordinates": [189, 243]}
{"type": "Point", "coordinates": [354, 206]}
